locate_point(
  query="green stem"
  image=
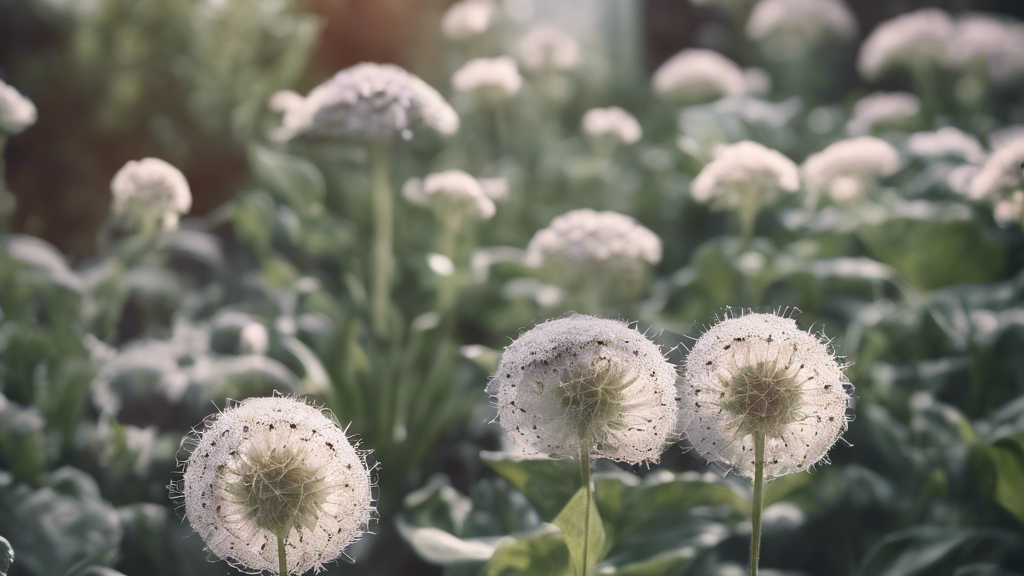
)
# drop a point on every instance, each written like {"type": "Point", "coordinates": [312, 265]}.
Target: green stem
{"type": "Point", "coordinates": [748, 219]}
{"type": "Point", "coordinates": [585, 480]}
{"type": "Point", "coordinates": [281, 558]}
{"type": "Point", "coordinates": [383, 237]}
{"type": "Point", "coordinates": [755, 522]}
{"type": "Point", "coordinates": [447, 289]}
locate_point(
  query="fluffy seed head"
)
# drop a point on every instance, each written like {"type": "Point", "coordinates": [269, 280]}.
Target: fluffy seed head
{"type": "Point", "coordinates": [16, 112]}
{"type": "Point", "coordinates": [743, 172]}
{"type": "Point", "coordinates": [150, 190]}
{"type": "Point", "coordinates": [612, 122]}
{"type": "Point", "coordinates": [846, 169]}
{"type": "Point", "coordinates": [499, 76]}
{"type": "Point", "coordinates": [801, 24]}
{"type": "Point", "coordinates": [946, 142]}
{"type": "Point", "coordinates": [371, 102]}
{"type": "Point", "coordinates": [450, 192]}
{"type": "Point", "coordinates": [762, 374]}
{"type": "Point", "coordinates": [882, 110]}
{"type": "Point", "coordinates": [547, 47]}
{"type": "Point", "coordinates": [467, 19]}
{"type": "Point", "coordinates": [589, 376]}
{"type": "Point", "coordinates": [697, 75]}
{"type": "Point", "coordinates": [909, 41]}
{"type": "Point", "coordinates": [275, 466]}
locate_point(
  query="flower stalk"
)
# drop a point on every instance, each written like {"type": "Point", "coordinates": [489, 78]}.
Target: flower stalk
{"type": "Point", "coordinates": [758, 503]}
{"type": "Point", "coordinates": [282, 557]}
{"type": "Point", "coordinates": [383, 237]}
{"type": "Point", "coordinates": [589, 486]}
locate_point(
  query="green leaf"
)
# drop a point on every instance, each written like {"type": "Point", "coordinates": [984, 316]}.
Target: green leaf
{"type": "Point", "coordinates": [936, 551]}
{"type": "Point", "coordinates": [297, 181]}
{"type": "Point", "coordinates": [571, 520]}
{"type": "Point", "coordinates": [1007, 455]}
{"type": "Point", "coordinates": [782, 486]}
{"type": "Point", "coordinates": [547, 484]}
{"type": "Point", "coordinates": [662, 564]}
{"type": "Point", "coordinates": [541, 552]}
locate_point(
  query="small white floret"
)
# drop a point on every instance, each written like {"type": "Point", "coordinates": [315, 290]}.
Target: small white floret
{"type": "Point", "coordinates": [744, 172]}
{"type": "Point", "coordinates": [468, 19]}
{"type": "Point", "coordinates": [612, 122]}
{"type": "Point", "coordinates": [883, 110]}
{"type": "Point", "coordinates": [150, 191]}
{"type": "Point", "coordinates": [848, 168]}
{"type": "Point", "coordinates": [547, 47]}
{"type": "Point", "coordinates": [911, 41]}
{"type": "Point", "coordinates": [696, 75]}
{"type": "Point", "coordinates": [499, 76]}
{"type": "Point", "coordinates": [450, 192]}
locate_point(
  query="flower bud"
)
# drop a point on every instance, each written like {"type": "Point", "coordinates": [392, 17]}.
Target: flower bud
{"type": "Point", "coordinates": [150, 190]}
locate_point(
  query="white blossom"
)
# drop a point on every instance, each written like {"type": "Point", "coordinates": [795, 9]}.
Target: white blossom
{"type": "Point", "coordinates": [756, 82]}
{"type": "Point", "coordinates": [848, 168]}
{"type": "Point", "coordinates": [499, 76]}
{"type": "Point", "coordinates": [1005, 135]}
{"type": "Point", "coordinates": [547, 47]}
{"type": "Point", "coordinates": [987, 46]}
{"type": "Point", "coordinates": [16, 112]}
{"type": "Point", "coordinates": [696, 75]}
{"type": "Point", "coordinates": [801, 24]}
{"type": "Point", "coordinates": [946, 142]}
{"type": "Point", "coordinates": [589, 377]}
{"type": "Point", "coordinates": [612, 122]}
{"type": "Point", "coordinates": [468, 19]}
{"type": "Point", "coordinates": [371, 102]}
{"type": "Point", "coordinates": [1001, 181]}
{"type": "Point", "coordinates": [910, 41]}
{"type": "Point", "coordinates": [762, 374]}
{"type": "Point", "coordinates": [744, 172]}
{"type": "Point", "coordinates": [275, 466]}
{"type": "Point", "coordinates": [150, 190]}
{"type": "Point", "coordinates": [882, 110]}
{"type": "Point", "coordinates": [450, 192]}
{"type": "Point", "coordinates": [253, 338]}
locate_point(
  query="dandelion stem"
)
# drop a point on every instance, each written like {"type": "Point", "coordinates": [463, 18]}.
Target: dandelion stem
{"type": "Point", "coordinates": [755, 521]}
{"type": "Point", "coordinates": [282, 559]}
{"type": "Point", "coordinates": [383, 237]}
{"type": "Point", "coordinates": [585, 480]}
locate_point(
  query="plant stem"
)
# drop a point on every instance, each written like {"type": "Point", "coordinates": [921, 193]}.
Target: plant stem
{"type": "Point", "coordinates": [383, 237]}
{"type": "Point", "coordinates": [585, 480]}
{"type": "Point", "coordinates": [747, 213]}
{"type": "Point", "coordinates": [755, 521]}
{"type": "Point", "coordinates": [281, 558]}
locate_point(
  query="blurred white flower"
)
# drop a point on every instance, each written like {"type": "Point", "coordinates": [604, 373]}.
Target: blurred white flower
{"type": "Point", "coordinates": [1001, 181]}
{"type": "Point", "coordinates": [290, 106]}
{"type": "Point", "coordinates": [910, 41]}
{"type": "Point", "coordinates": [946, 142]}
{"type": "Point", "coordinates": [757, 82]}
{"type": "Point", "coordinates": [1010, 210]}
{"type": "Point", "coordinates": [499, 76]}
{"type": "Point", "coordinates": [697, 75]}
{"type": "Point", "coordinates": [987, 46]}
{"type": "Point", "coordinates": [742, 173]}
{"type": "Point", "coordinates": [591, 379]}
{"type": "Point", "coordinates": [253, 339]}
{"type": "Point", "coordinates": [848, 168]}
{"type": "Point", "coordinates": [495, 188]}
{"type": "Point", "coordinates": [16, 112]}
{"type": "Point", "coordinates": [547, 47]}
{"type": "Point", "coordinates": [1005, 135]}
{"type": "Point", "coordinates": [612, 122]}
{"type": "Point", "coordinates": [371, 102]}
{"type": "Point", "coordinates": [795, 26]}
{"type": "Point", "coordinates": [150, 191]}
{"type": "Point", "coordinates": [760, 374]}
{"type": "Point", "coordinates": [883, 110]}
{"type": "Point", "coordinates": [450, 192]}
{"type": "Point", "coordinates": [468, 19]}
{"type": "Point", "coordinates": [270, 468]}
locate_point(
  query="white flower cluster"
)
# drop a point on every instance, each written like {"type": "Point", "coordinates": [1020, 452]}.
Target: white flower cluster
{"type": "Point", "coordinates": [801, 24]}
{"type": "Point", "coordinates": [275, 466]}
{"type": "Point", "coordinates": [590, 377]}
{"type": "Point", "coordinates": [16, 112]}
{"type": "Point", "coordinates": [612, 122]}
{"type": "Point", "coordinates": [742, 173]}
{"type": "Point", "coordinates": [988, 47]}
{"type": "Point", "coordinates": [586, 247]}
{"type": "Point", "coordinates": [369, 102]}
{"type": "Point", "coordinates": [946, 142]}
{"type": "Point", "coordinates": [547, 47]}
{"type": "Point", "coordinates": [883, 110]}
{"type": "Point", "coordinates": [499, 76]}
{"type": "Point", "coordinates": [468, 19]}
{"type": "Point", "coordinates": [1001, 181]}
{"type": "Point", "coordinates": [696, 75]}
{"type": "Point", "coordinates": [451, 192]}
{"type": "Point", "coordinates": [848, 168]}
{"type": "Point", "coordinates": [910, 41]}
{"type": "Point", "coordinates": [762, 374]}
{"type": "Point", "coordinates": [150, 191]}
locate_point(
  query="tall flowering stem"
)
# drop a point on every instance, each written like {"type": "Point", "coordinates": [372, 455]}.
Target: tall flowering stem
{"type": "Point", "coordinates": [589, 486]}
{"type": "Point", "coordinates": [383, 236]}
{"type": "Point", "coordinates": [755, 517]}
{"type": "Point", "coordinates": [282, 556]}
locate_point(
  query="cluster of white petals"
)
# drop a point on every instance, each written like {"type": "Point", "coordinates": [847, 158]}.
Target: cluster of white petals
{"type": "Point", "coordinates": [946, 142]}
{"type": "Point", "coordinates": [547, 47]}
{"type": "Point", "coordinates": [16, 112]}
{"type": "Point", "coordinates": [760, 373]}
{"type": "Point", "coordinates": [743, 172]}
{"type": "Point", "coordinates": [808, 23]}
{"type": "Point", "coordinates": [1001, 181]}
{"type": "Point", "coordinates": [589, 377]}
{"type": "Point", "coordinates": [848, 168]}
{"type": "Point", "coordinates": [468, 19]}
{"type": "Point", "coordinates": [496, 75]}
{"type": "Point", "coordinates": [883, 110]}
{"type": "Point", "coordinates": [910, 41]}
{"type": "Point", "coordinates": [150, 191]}
{"type": "Point", "coordinates": [275, 465]}
{"type": "Point", "coordinates": [697, 75]}
{"type": "Point", "coordinates": [370, 102]}
{"type": "Point", "coordinates": [450, 192]}
{"type": "Point", "coordinates": [598, 248]}
{"type": "Point", "coordinates": [987, 46]}
{"type": "Point", "coordinates": [612, 122]}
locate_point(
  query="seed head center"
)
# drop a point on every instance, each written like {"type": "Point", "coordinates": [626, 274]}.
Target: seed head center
{"type": "Point", "coordinates": [764, 397]}
{"type": "Point", "coordinates": [592, 391]}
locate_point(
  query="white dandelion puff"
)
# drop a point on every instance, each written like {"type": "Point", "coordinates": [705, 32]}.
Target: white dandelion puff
{"type": "Point", "coordinates": [16, 111]}
{"type": "Point", "coordinates": [547, 47]}
{"type": "Point", "coordinates": [450, 192]}
{"type": "Point", "coordinates": [744, 173]}
{"type": "Point", "coordinates": [946, 142]}
{"type": "Point", "coordinates": [760, 374]}
{"type": "Point", "coordinates": [612, 122]}
{"type": "Point", "coordinates": [587, 379]}
{"type": "Point", "coordinates": [697, 75]}
{"type": "Point", "coordinates": [468, 19]}
{"type": "Point", "coordinates": [499, 76]}
{"type": "Point", "coordinates": [849, 168]}
{"type": "Point", "coordinates": [272, 470]}
{"type": "Point", "coordinates": [150, 191]}
{"type": "Point", "coordinates": [801, 24]}
{"type": "Point", "coordinates": [910, 41]}
{"type": "Point", "coordinates": [883, 110]}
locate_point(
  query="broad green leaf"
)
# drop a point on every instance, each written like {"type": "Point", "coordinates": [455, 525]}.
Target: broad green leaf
{"type": "Point", "coordinates": [547, 484]}
{"type": "Point", "coordinates": [571, 520]}
{"type": "Point", "coordinates": [295, 180]}
{"type": "Point", "coordinates": [782, 486]}
{"type": "Point", "coordinates": [936, 551]}
{"type": "Point", "coordinates": [666, 563]}
{"type": "Point", "coordinates": [541, 552]}
{"type": "Point", "coordinates": [1007, 455]}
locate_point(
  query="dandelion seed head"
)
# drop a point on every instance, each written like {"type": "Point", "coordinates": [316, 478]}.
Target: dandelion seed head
{"type": "Point", "coordinates": [16, 111]}
{"type": "Point", "coordinates": [450, 192]}
{"type": "Point", "coordinates": [909, 41]}
{"type": "Point", "coordinates": [547, 47]}
{"type": "Point", "coordinates": [612, 122]}
{"type": "Point", "coordinates": [499, 76]}
{"type": "Point", "coordinates": [883, 110]}
{"type": "Point", "coordinates": [697, 75]}
{"type": "Point", "coordinates": [846, 169]}
{"type": "Point", "coordinates": [583, 375]}
{"type": "Point", "coordinates": [468, 19]}
{"type": "Point", "coordinates": [762, 374]}
{"type": "Point", "coordinates": [150, 190]}
{"type": "Point", "coordinates": [743, 169]}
